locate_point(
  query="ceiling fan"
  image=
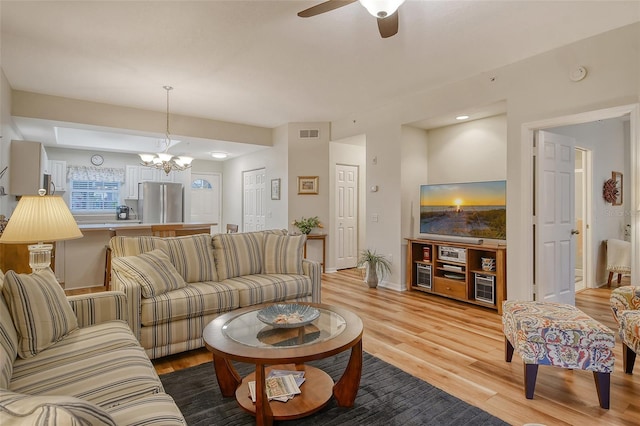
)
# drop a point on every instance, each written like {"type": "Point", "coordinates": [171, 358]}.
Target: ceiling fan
{"type": "Point", "coordinates": [386, 11]}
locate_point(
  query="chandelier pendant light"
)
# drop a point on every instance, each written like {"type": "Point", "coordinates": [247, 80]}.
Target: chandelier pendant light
{"type": "Point", "coordinates": [163, 160]}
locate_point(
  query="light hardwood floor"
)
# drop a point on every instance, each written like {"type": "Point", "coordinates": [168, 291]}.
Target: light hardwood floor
{"type": "Point", "coordinates": [460, 349]}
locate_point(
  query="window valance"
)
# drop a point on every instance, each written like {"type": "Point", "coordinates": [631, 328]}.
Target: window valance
{"type": "Point", "coordinates": [95, 174]}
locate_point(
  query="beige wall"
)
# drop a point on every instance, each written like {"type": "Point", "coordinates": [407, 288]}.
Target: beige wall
{"type": "Point", "coordinates": [309, 157]}
{"type": "Point", "coordinates": [468, 152]}
{"type": "Point", "coordinates": [35, 105]}
{"type": "Point", "coordinates": [274, 161]}
{"type": "Point", "coordinates": [9, 132]}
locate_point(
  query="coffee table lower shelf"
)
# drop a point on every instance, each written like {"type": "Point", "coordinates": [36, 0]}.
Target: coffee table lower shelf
{"type": "Point", "coordinates": [316, 392]}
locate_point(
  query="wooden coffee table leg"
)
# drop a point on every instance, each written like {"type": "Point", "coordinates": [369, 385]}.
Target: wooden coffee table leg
{"type": "Point", "coordinates": [264, 415]}
{"type": "Point", "coordinates": [228, 378]}
{"type": "Point", "coordinates": [346, 389]}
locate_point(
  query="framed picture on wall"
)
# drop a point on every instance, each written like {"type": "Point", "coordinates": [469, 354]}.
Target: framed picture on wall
{"type": "Point", "coordinates": [307, 185]}
{"type": "Point", "coordinates": [275, 189]}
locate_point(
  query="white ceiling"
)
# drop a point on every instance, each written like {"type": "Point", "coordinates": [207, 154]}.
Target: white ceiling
{"type": "Point", "coordinates": [256, 62]}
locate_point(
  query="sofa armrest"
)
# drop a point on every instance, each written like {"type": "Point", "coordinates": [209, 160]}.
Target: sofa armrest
{"type": "Point", "coordinates": [96, 308]}
{"type": "Point", "coordinates": [312, 269]}
{"type": "Point", "coordinates": [133, 292]}
{"type": "Point", "coordinates": [626, 298]}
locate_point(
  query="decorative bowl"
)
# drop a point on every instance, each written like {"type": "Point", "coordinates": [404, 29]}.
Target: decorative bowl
{"type": "Point", "coordinates": [288, 315]}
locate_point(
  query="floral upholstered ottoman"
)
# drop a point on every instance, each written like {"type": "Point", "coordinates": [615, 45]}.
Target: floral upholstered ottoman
{"type": "Point", "coordinates": [560, 335]}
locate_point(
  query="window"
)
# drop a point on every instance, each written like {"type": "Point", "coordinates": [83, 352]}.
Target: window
{"type": "Point", "coordinates": [94, 196]}
{"type": "Point", "coordinates": [201, 184]}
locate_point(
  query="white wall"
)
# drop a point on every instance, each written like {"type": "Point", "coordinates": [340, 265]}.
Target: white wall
{"type": "Point", "coordinates": [534, 89]}
{"type": "Point", "coordinates": [470, 151]}
{"type": "Point", "coordinates": [9, 132]}
{"type": "Point", "coordinates": [608, 140]}
{"type": "Point", "coordinates": [384, 222]}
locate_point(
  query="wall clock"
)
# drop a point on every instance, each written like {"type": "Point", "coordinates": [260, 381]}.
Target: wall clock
{"type": "Point", "coordinates": [97, 160]}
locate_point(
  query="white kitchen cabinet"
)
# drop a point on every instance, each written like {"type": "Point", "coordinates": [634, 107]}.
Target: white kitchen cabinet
{"type": "Point", "coordinates": [147, 173]}
{"type": "Point", "coordinates": [136, 174]}
{"type": "Point", "coordinates": [58, 170]}
{"type": "Point", "coordinates": [28, 165]}
{"type": "Point", "coordinates": [132, 177]}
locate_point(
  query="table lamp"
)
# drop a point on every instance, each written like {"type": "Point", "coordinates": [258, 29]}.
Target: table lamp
{"type": "Point", "coordinates": [36, 219]}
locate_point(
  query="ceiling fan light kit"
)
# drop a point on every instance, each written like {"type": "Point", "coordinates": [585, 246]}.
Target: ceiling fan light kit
{"type": "Point", "coordinates": [381, 8]}
{"type": "Point", "coordinates": [386, 12]}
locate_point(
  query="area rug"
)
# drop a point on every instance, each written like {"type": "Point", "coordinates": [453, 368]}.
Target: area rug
{"type": "Point", "coordinates": [387, 396]}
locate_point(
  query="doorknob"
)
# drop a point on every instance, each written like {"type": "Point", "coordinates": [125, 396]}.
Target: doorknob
{"type": "Point", "coordinates": [574, 232]}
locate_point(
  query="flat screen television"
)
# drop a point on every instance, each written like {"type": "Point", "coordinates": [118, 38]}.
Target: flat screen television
{"type": "Point", "coordinates": [471, 209]}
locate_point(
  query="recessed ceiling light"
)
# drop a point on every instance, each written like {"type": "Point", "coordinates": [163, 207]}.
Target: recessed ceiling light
{"type": "Point", "coordinates": [219, 155]}
{"type": "Point", "coordinates": [462, 117]}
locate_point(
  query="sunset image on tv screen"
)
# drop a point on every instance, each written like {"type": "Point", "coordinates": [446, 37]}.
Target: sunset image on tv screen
{"type": "Point", "coordinates": [472, 209]}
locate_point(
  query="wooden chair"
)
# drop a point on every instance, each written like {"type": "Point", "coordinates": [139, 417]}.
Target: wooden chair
{"type": "Point", "coordinates": [165, 230]}
{"type": "Point", "coordinates": [231, 228]}
{"type": "Point", "coordinates": [107, 269]}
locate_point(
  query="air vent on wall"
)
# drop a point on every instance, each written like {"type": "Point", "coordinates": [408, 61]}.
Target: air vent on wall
{"type": "Point", "coordinates": [309, 134]}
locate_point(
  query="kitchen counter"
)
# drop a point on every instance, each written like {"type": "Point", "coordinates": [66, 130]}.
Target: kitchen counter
{"type": "Point", "coordinates": [81, 262]}
{"type": "Point", "coordinates": [133, 225]}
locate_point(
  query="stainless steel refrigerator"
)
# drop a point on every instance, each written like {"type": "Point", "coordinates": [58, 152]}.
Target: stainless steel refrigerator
{"type": "Point", "coordinates": [160, 202]}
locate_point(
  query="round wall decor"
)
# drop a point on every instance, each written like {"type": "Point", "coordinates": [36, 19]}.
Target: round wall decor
{"type": "Point", "coordinates": [610, 190]}
{"type": "Point", "coordinates": [97, 160]}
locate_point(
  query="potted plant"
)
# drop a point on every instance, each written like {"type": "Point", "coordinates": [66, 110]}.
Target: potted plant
{"type": "Point", "coordinates": [306, 225]}
{"type": "Point", "coordinates": [376, 264]}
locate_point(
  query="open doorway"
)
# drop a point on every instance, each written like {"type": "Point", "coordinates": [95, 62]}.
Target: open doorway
{"type": "Point", "coordinates": [610, 138]}
{"type": "Point", "coordinates": [582, 210]}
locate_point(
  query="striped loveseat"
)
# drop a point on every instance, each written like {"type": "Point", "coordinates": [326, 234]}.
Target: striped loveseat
{"type": "Point", "coordinates": [176, 285]}
{"type": "Point", "coordinates": [73, 361]}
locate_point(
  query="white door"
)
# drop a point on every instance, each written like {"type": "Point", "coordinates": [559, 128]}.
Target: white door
{"type": "Point", "coordinates": [254, 200]}
{"type": "Point", "coordinates": [555, 216]}
{"type": "Point", "coordinates": [206, 198]}
{"type": "Point", "coordinates": [346, 216]}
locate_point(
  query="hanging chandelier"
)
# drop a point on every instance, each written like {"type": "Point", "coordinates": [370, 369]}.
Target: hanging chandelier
{"type": "Point", "coordinates": [164, 160]}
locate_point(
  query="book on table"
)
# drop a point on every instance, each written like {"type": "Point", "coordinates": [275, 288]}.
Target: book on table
{"type": "Point", "coordinates": [281, 385]}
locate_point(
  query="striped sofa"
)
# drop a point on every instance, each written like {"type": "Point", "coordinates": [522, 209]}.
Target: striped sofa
{"type": "Point", "coordinates": [175, 286]}
{"type": "Point", "coordinates": [73, 361]}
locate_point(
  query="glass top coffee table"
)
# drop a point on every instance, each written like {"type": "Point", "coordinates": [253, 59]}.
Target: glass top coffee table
{"type": "Point", "coordinates": [240, 336]}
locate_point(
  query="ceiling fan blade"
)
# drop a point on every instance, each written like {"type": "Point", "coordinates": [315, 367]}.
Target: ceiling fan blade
{"type": "Point", "coordinates": [388, 26]}
{"type": "Point", "coordinates": [327, 6]}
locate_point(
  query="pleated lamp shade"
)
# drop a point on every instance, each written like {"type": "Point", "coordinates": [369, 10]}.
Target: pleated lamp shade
{"type": "Point", "coordinates": [36, 219]}
{"type": "Point", "coordinates": [40, 218]}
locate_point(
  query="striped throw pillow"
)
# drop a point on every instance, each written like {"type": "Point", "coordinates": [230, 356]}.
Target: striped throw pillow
{"type": "Point", "coordinates": [39, 309]}
{"type": "Point", "coordinates": [283, 254]}
{"type": "Point", "coordinates": [153, 271]}
{"type": "Point", "coordinates": [192, 256]}
{"type": "Point", "coordinates": [238, 254]}
{"type": "Point", "coordinates": [50, 410]}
